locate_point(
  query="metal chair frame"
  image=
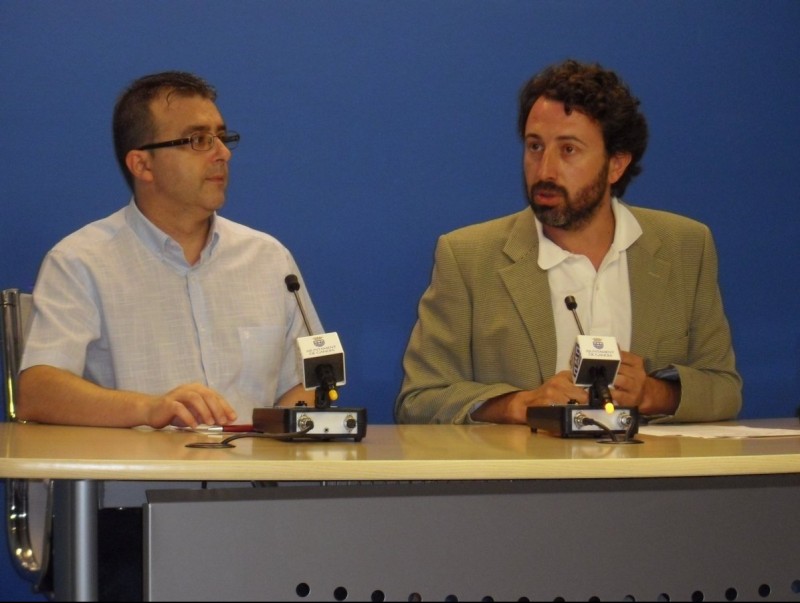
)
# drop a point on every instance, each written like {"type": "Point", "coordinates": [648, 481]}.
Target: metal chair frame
{"type": "Point", "coordinates": [31, 562]}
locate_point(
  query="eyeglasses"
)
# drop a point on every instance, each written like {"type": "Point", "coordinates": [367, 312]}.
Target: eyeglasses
{"type": "Point", "coordinates": [200, 141]}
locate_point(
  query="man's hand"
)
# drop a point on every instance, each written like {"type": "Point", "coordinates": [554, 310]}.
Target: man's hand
{"type": "Point", "coordinates": [53, 395]}
{"type": "Point", "coordinates": [187, 406]}
{"type": "Point", "coordinates": [633, 387]}
{"type": "Point", "coordinates": [513, 407]}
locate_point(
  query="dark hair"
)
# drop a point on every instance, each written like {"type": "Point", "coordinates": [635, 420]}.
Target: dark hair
{"type": "Point", "coordinates": [133, 124]}
{"type": "Point", "coordinates": [601, 95]}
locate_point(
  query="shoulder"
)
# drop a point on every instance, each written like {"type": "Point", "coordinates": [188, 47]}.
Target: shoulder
{"type": "Point", "coordinates": [667, 224]}
{"type": "Point", "coordinates": [242, 233]}
{"type": "Point", "coordinates": [671, 235]}
{"type": "Point", "coordinates": [92, 236]}
{"type": "Point", "coordinates": [491, 233]}
{"type": "Point", "coordinates": [243, 239]}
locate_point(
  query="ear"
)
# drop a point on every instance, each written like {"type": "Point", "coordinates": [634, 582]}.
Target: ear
{"type": "Point", "coordinates": [139, 165]}
{"type": "Point", "coordinates": [617, 166]}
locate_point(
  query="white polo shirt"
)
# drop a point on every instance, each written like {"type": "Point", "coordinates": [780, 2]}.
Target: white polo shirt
{"type": "Point", "coordinates": [603, 295]}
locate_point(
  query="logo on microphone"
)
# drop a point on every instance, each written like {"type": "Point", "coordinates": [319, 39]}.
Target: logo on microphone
{"type": "Point", "coordinates": [597, 343]}
{"type": "Point", "coordinates": [319, 341]}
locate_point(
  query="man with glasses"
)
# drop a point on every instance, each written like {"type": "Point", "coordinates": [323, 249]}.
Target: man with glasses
{"type": "Point", "coordinates": [165, 313]}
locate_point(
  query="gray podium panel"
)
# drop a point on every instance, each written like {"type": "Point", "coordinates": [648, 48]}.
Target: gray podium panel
{"type": "Point", "coordinates": [721, 538]}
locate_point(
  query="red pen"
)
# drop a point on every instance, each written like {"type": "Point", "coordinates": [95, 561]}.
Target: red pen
{"type": "Point", "coordinates": [223, 428]}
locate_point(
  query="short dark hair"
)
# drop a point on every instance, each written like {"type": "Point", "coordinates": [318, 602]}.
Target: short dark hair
{"type": "Point", "coordinates": [601, 95]}
{"type": "Point", "coordinates": [133, 124]}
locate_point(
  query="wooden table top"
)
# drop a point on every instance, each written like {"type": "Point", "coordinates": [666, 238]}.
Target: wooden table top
{"type": "Point", "coordinates": [387, 452]}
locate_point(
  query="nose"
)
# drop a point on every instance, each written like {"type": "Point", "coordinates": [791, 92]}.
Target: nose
{"type": "Point", "coordinates": [221, 151]}
{"type": "Point", "coordinates": [548, 166]}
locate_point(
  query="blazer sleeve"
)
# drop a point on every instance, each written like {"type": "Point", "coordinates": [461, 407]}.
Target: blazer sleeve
{"type": "Point", "coordinates": [711, 387]}
{"type": "Point", "coordinates": [438, 384]}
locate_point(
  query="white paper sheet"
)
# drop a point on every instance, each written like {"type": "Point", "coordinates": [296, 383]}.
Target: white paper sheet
{"type": "Point", "coordinates": [716, 431]}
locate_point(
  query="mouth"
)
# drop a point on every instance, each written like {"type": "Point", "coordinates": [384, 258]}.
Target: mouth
{"type": "Point", "coordinates": [547, 199]}
{"type": "Point", "coordinates": [218, 179]}
{"type": "Point", "coordinates": [547, 195]}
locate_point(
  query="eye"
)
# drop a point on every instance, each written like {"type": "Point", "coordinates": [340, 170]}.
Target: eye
{"type": "Point", "coordinates": [534, 146]}
{"type": "Point", "coordinates": [202, 141]}
{"type": "Point", "coordinates": [569, 149]}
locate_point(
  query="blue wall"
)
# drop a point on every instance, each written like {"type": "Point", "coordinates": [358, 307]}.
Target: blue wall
{"type": "Point", "coordinates": [369, 128]}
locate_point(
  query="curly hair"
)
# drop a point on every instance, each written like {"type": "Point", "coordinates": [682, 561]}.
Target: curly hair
{"type": "Point", "coordinates": [133, 124]}
{"type": "Point", "coordinates": [599, 94]}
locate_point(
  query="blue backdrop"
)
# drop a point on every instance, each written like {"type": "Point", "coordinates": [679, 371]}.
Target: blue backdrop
{"type": "Point", "coordinates": [369, 128]}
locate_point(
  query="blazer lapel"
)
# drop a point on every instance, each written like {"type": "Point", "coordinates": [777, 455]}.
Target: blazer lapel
{"type": "Point", "coordinates": [648, 275]}
{"type": "Point", "coordinates": [529, 290]}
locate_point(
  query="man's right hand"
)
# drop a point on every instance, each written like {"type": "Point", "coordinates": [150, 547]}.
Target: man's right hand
{"type": "Point", "coordinates": [188, 406]}
{"type": "Point", "coordinates": [513, 407]}
{"type": "Point", "coordinates": [53, 395]}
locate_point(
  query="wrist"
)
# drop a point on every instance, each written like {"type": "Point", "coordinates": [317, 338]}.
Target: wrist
{"type": "Point", "coordinates": [495, 410]}
{"type": "Point", "coordinates": [660, 397]}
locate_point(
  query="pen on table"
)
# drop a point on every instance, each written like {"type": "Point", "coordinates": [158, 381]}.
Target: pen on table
{"type": "Point", "coordinates": [223, 428]}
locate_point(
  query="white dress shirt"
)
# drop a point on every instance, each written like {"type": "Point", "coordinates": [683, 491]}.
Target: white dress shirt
{"type": "Point", "coordinates": [117, 303]}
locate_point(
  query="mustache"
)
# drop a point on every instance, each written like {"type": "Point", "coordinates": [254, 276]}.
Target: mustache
{"type": "Point", "coordinates": [548, 187]}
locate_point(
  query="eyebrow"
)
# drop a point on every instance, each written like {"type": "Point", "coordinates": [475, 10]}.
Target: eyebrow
{"type": "Point", "coordinates": [563, 138]}
{"type": "Point", "coordinates": [203, 128]}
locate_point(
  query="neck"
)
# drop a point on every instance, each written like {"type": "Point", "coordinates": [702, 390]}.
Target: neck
{"type": "Point", "coordinates": [592, 239]}
{"type": "Point", "coordinates": [191, 238]}
{"type": "Point", "coordinates": [189, 229]}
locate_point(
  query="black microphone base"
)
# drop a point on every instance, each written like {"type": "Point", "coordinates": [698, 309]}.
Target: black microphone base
{"type": "Point", "coordinates": [568, 420]}
{"type": "Point", "coordinates": [332, 423]}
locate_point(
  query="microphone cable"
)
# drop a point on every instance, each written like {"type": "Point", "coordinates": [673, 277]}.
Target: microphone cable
{"type": "Point", "coordinates": [584, 420]}
{"type": "Point", "coordinates": [628, 439]}
{"type": "Point", "coordinates": [226, 443]}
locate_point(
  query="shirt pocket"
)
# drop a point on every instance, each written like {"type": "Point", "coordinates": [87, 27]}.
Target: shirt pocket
{"type": "Point", "coordinates": [262, 354]}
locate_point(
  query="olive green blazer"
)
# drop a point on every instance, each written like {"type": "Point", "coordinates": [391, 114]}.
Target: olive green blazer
{"type": "Point", "coordinates": [485, 325]}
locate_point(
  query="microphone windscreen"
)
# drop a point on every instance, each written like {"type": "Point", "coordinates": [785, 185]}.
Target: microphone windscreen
{"type": "Point", "coordinates": [292, 284]}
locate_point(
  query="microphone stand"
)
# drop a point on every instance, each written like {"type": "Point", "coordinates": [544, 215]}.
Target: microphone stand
{"type": "Point", "coordinates": [582, 420]}
{"type": "Point", "coordinates": [322, 422]}
{"type": "Point", "coordinates": [324, 372]}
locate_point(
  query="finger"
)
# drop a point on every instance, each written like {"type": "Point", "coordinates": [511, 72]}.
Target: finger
{"type": "Point", "coordinates": [214, 408]}
{"type": "Point", "coordinates": [567, 395]}
{"type": "Point", "coordinates": [626, 359]}
{"type": "Point", "coordinates": [631, 359]}
{"type": "Point", "coordinates": [223, 412]}
{"type": "Point", "coordinates": [182, 417]}
{"type": "Point", "coordinates": [623, 378]}
{"type": "Point", "coordinates": [621, 398]}
{"type": "Point", "coordinates": [195, 403]}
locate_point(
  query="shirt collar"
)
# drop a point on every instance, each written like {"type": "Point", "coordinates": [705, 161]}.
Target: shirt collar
{"type": "Point", "coordinates": [626, 231]}
{"type": "Point", "coordinates": [160, 243]}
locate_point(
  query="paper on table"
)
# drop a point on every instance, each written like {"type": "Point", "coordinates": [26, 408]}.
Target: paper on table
{"type": "Point", "coordinates": [715, 431]}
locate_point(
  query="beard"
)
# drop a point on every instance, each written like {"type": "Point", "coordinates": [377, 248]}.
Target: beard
{"type": "Point", "coordinates": [572, 213]}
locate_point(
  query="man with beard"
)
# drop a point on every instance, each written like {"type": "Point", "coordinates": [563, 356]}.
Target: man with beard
{"type": "Point", "coordinates": [494, 337]}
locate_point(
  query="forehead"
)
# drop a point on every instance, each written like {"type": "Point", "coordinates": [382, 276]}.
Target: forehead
{"type": "Point", "coordinates": [177, 114]}
{"type": "Point", "coordinates": [548, 118]}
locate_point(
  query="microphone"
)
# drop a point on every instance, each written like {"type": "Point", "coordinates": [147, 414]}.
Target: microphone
{"type": "Point", "coordinates": [321, 356]}
{"type": "Point", "coordinates": [321, 361]}
{"type": "Point", "coordinates": [595, 362]}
